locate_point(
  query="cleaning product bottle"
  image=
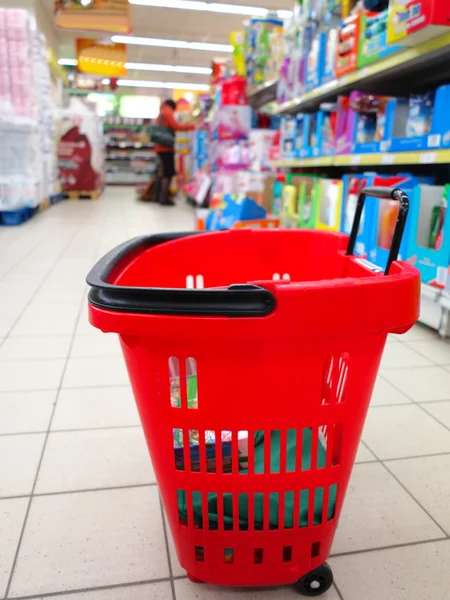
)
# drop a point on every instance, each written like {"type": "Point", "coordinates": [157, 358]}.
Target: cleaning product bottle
{"type": "Point", "coordinates": [289, 216]}
{"type": "Point", "coordinates": [437, 223]}
{"type": "Point", "coordinates": [278, 193]}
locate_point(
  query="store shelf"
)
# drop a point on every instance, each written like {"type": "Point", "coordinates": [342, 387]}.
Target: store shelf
{"type": "Point", "coordinates": [263, 94]}
{"type": "Point", "coordinates": [124, 145]}
{"type": "Point", "coordinates": [425, 157]}
{"type": "Point", "coordinates": [394, 75]}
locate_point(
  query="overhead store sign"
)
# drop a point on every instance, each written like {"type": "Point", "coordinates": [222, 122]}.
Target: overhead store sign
{"type": "Point", "coordinates": [100, 15]}
{"type": "Point", "coordinates": [104, 59]}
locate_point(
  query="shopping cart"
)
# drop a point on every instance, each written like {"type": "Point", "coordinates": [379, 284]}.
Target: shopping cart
{"type": "Point", "coordinates": [281, 348]}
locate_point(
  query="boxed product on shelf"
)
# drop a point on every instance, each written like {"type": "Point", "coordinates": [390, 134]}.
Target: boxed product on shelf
{"type": "Point", "coordinates": [315, 62]}
{"type": "Point", "coordinates": [232, 122]}
{"type": "Point", "coordinates": [330, 53]}
{"type": "Point", "coordinates": [347, 49]}
{"type": "Point", "coordinates": [80, 148]}
{"type": "Point", "coordinates": [278, 185]}
{"type": "Point", "coordinates": [385, 216]}
{"type": "Point", "coordinates": [288, 133]}
{"type": "Point", "coordinates": [260, 141]}
{"type": "Point", "coordinates": [411, 22]}
{"type": "Point", "coordinates": [373, 42]}
{"type": "Point", "coordinates": [229, 154]}
{"type": "Point", "coordinates": [289, 214]}
{"type": "Point", "coordinates": [345, 126]}
{"type": "Point", "coordinates": [428, 246]}
{"type": "Point", "coordinates": [308, 201]}
{"type": "Point", "coordinates": [231, 210]}
{"type": "Point", "coordinates": [263, 52]}
{"type": "Point", "coordinates": [417, 123]}
{"type": "Point", "coordinates": [320, 132]}
{"type": "Point", "coordinates": [352, 185]}
{"type": "Point", "coordinates": [329, 205]}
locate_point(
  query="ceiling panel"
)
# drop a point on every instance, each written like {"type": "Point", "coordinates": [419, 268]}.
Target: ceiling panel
{"type": "Point", "coordinates": [170, 24]}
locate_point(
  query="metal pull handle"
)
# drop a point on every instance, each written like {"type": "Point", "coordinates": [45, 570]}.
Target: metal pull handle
{"type": "Point", "coordinates": [384, 193]}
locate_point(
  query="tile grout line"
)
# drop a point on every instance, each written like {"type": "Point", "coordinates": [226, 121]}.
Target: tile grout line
{"type": "Point", "coordinates": [338, 591]}
{"type": "Point", "coordinates": [27, 512]}
{"type": "Point", "coordinates": [410, 494]}
{"type": "Point", "coordinates": [76, 430]}
{"type": "Point", "coordinates": [166, 542]}
{"type": "Point", "coordinates": [82, 491]}
{"type": "Point", "coordinates": [113, 586]}
{"type": "Point", "coordinates": [55, 389]}
{"type": "Point", "coordinates": [390, 547]}
{"type": "Point", "coordinates": [39, 287]}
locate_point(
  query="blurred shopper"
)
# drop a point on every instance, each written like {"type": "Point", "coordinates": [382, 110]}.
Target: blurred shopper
{"type": "Point", "coordinates": [166, 119]}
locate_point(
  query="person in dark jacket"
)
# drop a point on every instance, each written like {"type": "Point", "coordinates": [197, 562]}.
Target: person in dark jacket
{"type": "Point", "coordinates": [166, 154]}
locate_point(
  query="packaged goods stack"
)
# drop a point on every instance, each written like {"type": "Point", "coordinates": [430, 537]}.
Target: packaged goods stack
{"type": "Point", "coordinates": [28, 173]}
{"type": "Point", "coordinates": [81, 156]}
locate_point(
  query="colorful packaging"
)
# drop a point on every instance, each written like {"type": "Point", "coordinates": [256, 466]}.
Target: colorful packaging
{"type": "Point", "coordinates": [373, 43]}
{"type": "Point", "coordinates": [237, 40]}
{"type": "Point", "coordinates": [428, 246]}
{"type": "Point", "coordinates": [413, 22]}
{"type": "Point", "coordinates": [329, 208]}
{"type": "Point", "coordinates": [308, 201]}
{"type": "Point", "coordinates": [232, 122]}
{"type": "Point", "coordinates": [347, 51]}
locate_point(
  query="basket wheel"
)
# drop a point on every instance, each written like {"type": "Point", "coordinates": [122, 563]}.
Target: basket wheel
{"type": "Point", "coordinates": [316, 582]}
{"type": "Point", "coordinates": [194, 579]}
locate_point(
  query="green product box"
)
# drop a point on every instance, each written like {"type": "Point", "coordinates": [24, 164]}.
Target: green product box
{"type": "Point", "coordinates": [308, 201]}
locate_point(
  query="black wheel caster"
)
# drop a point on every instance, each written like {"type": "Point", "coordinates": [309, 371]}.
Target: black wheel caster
{"type": "Point", "coordinates": [316, 582]}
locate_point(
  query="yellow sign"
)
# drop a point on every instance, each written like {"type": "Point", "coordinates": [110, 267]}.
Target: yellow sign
{"type": "Point", "coordinates": [93, 15]}
{"type": "Point", "coordinates": [103, 59]}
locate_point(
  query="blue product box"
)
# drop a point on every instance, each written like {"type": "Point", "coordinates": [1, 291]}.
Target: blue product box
{"type": "Point", "coordinates": [231, 210]}
{"type": "Point", "coordinates": [429, 233]}
{"type": "Point", "coordinates": [352, 184]}
{"type": "Point", "coordinates": [315, 62]}
{"type": "Point", "coordinates": [329, 56]}
{"type": "Point", "coordinates": [417, 123]}
{"type": "Point", "coordinates": [373, 44]}
{"type": "Point", "coordinates": [302, 129]}
{"type": "Point", "coordinates": [288, 130]}
{"type": "Point", "coordinates": [385, 216]}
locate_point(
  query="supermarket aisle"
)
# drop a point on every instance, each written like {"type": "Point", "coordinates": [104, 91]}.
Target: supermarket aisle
{"type": "Point", "coordinates": [70, 438]}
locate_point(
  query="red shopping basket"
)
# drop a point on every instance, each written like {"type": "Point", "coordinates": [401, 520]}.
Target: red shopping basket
{"type": "Point", "coordinates": [283, 331]}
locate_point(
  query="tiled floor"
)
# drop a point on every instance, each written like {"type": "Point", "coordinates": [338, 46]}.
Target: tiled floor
{"type": "Point", "coordinates": [80, 516]}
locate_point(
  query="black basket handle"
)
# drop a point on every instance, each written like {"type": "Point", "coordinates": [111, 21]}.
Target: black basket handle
{"type": "Point", "coordinates": [384, 193]}
{"type": "Point", "coordinates": [244, 300]}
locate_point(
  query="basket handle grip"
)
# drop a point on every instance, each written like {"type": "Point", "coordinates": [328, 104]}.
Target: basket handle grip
{"type": "Point", "coordinates": [384, 193]}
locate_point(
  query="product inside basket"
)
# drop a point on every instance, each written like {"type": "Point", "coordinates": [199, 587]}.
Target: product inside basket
{"type": "Point", "coordinates": [182, 454]}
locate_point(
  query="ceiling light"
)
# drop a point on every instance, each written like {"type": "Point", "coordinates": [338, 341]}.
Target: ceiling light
{"type": "Point", "coordinates": [170, 85]}
{"type": "Point", "coordinates": [143, 41]}
{"type": "Point", "coordinates": [106, 81]}
{"type": "Point", "coordinates": [68, 62]}
{"type": "Point", "coordinates": [215, 7]}
{"type": "Point", "coordinates": [86, 3]}
{"type": "Point", "coordinates": [168, 68]}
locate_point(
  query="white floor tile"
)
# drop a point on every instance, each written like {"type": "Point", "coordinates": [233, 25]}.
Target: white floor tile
{"type": "Point", "coordinates": [19, 460]}
{"type": "Point", "coordinates": [51, 325]}
{"type": "Point", "coordinates": [416, 573]}
{"type": "Point", "coordinates": [88, 372]}
{"type": "Point", "coordinates": [427, 480]}
{"type": "Point", "coordinates": [364, 454]}
{"type": "Point", "coordinates": [80, 460]}
{"type": "Point", "coordinates": [436, 350]}
{"type": "Point", "coordinates": [378, 512]}
{"type": "Point", "coordinates": [186, 590]}
{"type": "Point", "coordinates": [385, 393]}
{"type": "Point", "coordinates": [24, 412]}
{"type": "Point", "coordinates": [100, 344]}
{"type": "Point", "coordinates": [30, 375]}
{"type": "Point", "coordinates": [91, 539]}
{"type": "Point", "coordinates": [400, 356]}
{"type": "Point", "coordinates": [149, 591]}
{"type": "Point", "coordinates": [54, 309]}
{"type": "Point", "coordinates": [401, 431]}
{"type": "Point", "coordinates": [12, 514]}
{"type": "Point", "coordinates": [419, 332]}
{"type": "Point", "coordinates": [39, 347]}
{"type": "Point", "coordinates": [95, 407]}
{"type": "Point", "coordinates": [421, 385]}
{"type": "Point", "coordinates": [439, 410]}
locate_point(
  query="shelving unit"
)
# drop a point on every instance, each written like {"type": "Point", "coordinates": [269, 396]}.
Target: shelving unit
{"type": "Point", "coordinates": [263, 94]}
{"type": "Point", "coordinates": [425, 157]}
{"type": "Point", "coordinates": [393, 75]}
{"type": "Point", "coordinates": [130, 159]}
